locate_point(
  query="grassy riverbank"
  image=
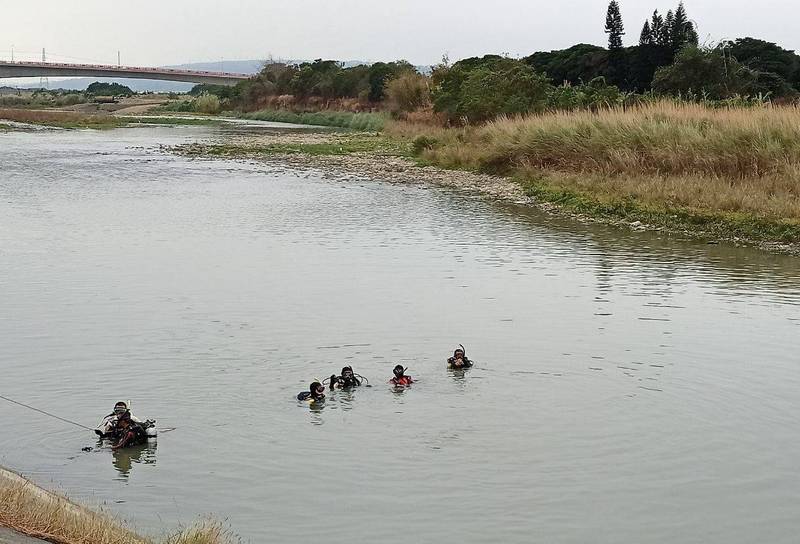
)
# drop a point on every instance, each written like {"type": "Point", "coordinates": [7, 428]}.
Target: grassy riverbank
{"type": "Point", "coordinates": [725, 172]}
{"type": "Point", "coordinates": [60, 119]}
{"type": "Point", "coordinates": [32, 511]}
{"type": "Point", "coordinates": [98, 121]}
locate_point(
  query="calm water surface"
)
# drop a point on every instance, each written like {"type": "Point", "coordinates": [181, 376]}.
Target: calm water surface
{"type": "Point", "coordinates": [629, 387]}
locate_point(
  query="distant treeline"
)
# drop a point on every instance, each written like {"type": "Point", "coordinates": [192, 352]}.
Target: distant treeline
{"type": "Point", "coordinates": [668, 61]}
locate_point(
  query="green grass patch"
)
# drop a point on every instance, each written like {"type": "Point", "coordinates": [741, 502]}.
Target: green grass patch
{"type": "Point", "coordinates": [373, 122]}
{"type": "Point", "coordinates": [673, 218]}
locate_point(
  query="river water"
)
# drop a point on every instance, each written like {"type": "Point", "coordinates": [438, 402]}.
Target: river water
{"type": "Point", "coordinates": [629, 387]}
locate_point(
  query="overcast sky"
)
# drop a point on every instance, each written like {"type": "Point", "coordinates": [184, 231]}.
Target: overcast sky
{"type": "Point", "coordinates": [179, 31]}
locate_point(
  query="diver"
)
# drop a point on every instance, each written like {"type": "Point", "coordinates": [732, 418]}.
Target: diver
{"type": "Point", "coordinates": [400, 377]}
{"type": "Point", "coordinates": [107, 427]}
{"type": "Point", "coordinates": [347, 380]}
{"type": "Point", "coordinates": [130, 433]}
{"type": "Point", "coordinates": [315, 393]}
{"type": "Point", "coordinates": [459, 358]}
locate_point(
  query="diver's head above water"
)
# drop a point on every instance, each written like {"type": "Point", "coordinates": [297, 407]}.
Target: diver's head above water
{"type": "Point", "coordinates": [120, 408]}
{"type": "Point", "coordinates": [399, 371]}
{"type": "Point", "coordinates": [317, 390]}
{"type": "Point", "coordinates": [347, 372]}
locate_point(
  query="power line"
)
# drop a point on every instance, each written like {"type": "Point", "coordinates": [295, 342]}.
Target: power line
{"type": "Point", "coordinates": [46, 413]}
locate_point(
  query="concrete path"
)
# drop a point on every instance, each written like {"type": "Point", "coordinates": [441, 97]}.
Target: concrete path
{"type": "Point", "coordinates": [7, 536]}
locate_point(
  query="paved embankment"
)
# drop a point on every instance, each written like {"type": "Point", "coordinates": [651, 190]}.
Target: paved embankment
{"type": "Point", "coordinates": [9, 478]}
{"type": "Point", "coordinates": [7, 536]}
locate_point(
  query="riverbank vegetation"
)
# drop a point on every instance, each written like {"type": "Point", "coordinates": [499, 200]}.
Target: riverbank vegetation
{"type": "Point", "coordinates": [32, 511]}
{"type": "Point", "coordinates": [732, 172]}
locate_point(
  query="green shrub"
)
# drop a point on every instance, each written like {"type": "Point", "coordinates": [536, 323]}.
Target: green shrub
{"type": "Point", "coordinates": [422, 143]}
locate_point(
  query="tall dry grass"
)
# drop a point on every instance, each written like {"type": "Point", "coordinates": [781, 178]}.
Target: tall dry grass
{"type": "Point", "coordinates": [661, 138]}
{"type": "Point", "coordinates": [663, 154]}
{"type": "Point", "coordinates": [47, 516]}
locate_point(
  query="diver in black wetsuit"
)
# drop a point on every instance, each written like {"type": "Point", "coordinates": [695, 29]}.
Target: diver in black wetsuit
{"type": "Point", "coordinates": [315, 393]}
{"type": "Point", "coordinates": [130, 433]}
{"type": "Point", "coordinates": [107, 427]}
{"type": "Point", "coordinates": [459, 359]}
{"type": "Point", "coordinates": [347, 380]}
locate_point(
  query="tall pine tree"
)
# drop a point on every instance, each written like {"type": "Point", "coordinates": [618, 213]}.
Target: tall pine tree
{"type": "Point", "coordinates": [677, 33]}
{"type": "Point", "coordinates": [657, 28]}
{"type": "Point", "coordinates": [614, 27]}
{"type": "Point", "coordinates": [665, 37]}
{"type": "Point", "coordinates": [646, 38]}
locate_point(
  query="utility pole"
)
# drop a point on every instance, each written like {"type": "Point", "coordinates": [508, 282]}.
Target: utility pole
{"type": "Point", "coordinates": [12, 52]}
{"type": "Point", "coordinates": [44, 81]}
{"type": "Point", "coordinates": [119, 64]}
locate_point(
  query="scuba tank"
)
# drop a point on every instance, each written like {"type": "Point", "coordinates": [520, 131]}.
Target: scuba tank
{"type": "Point", "coordinates": [150, 428]}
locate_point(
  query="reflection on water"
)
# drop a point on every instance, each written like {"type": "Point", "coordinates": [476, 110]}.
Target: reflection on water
{"type": "Point", "coordinates": [631, 386]}
{"type": "Point", "coordinates": [124, 459]}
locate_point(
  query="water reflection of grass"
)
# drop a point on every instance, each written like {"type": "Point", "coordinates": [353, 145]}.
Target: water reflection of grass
{"type": "Point", "coordinates": [32, 511]}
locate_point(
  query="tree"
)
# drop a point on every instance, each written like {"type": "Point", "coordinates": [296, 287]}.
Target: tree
{"type": "Point", "coordinates": [706, 72]}
{"type": "Point", "coordinates": [666, 29]}
{"type": "Point", "coordinates": [646, 38]}
{"type": "Point", "coordinates": [764, 56]}
{"type": "Point", "coordinates": [614, 27]}
{"type": "Point", "coordinates": [478, 89]}
{"type": "Point", "coordinates": [382, 72]}
{"type": "Point", "coordinates": [108, 89]}
{"type": "Point", "coordinates": [657, 28]}
{"type": "Point", "coordinates": [681, 30]}
{"type": "Point", "coordinates": [578, 64]}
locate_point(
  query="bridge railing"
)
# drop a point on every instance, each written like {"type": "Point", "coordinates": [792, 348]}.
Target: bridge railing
{"type": "Point", "coordinates": [112, 68]}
